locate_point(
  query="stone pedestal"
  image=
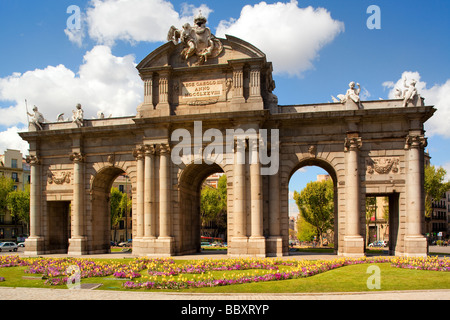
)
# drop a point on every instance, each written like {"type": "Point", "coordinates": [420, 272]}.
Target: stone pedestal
{"type": "Point", "coordinates": [34, 246]}
{"type": "Point", "coordinates": [163, 247]}
{"type": "Point", "coordinates": [238, 247]}
{"type": "Point", "coordinates": [256, 247]}
{"type": "Point", "coordinates": [416, 246]}
{"type": "Point", "coordinates": [353, 246]}
{"type": "Point", "coordinates": [77, 246]}
{"type": "Point", "coordinates": [274, 247]}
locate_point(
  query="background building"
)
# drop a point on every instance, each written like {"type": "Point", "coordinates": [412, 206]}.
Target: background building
{"type": "Point", "coordinates": [13, 165]}
{"type": "Point", "coordinates": [438, 226]}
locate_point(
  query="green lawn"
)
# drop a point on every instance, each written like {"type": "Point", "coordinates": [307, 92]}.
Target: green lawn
{"type": "Point", "coordinates": [351, 278]}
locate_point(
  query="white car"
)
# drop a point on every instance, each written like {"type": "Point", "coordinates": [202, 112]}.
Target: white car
{"type": "Point", "coordinates": [8, 246]}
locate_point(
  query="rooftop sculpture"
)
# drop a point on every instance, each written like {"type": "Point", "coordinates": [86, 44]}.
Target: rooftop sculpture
{"type": "Point", "coordinates": [351, 93]}
{"type": "Point", "coordinates": [37, 118]}
{"type": "Point", "coordinates": [198, 40]}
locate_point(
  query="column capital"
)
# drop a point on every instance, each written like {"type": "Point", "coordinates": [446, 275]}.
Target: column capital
{"type": "Point", "coordinates": [150, 149]}
{"type": "Point", "coordinates": [352, 143]}
{"type": "Point", "coordinates": [33, 160]}
{"type": "Point", "coordinates": [413, 141]}
{"type": "Point", "coordinates": [138, 152]}
{"type": "Point", "coordinates": [163, 148]}
{"type": "Point", "coordinates": [76, 157]}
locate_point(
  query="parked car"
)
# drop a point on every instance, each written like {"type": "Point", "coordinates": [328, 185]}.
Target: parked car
{"type": "Point", "coordinates": [21, 244]}
{"type": "Point", "coordinates": [128, 243]}
{"type": "Point", "coordinates": [380, 243]}
{"type": "Point", "coordinates": [8, 246]}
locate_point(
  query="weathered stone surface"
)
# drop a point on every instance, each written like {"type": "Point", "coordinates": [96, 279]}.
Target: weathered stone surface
{"type": "Point", "coordinates": [367, 147]}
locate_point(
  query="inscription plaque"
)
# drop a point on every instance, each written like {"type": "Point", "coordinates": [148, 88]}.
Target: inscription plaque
{"type": "Point", "coordinates": [201, 89]}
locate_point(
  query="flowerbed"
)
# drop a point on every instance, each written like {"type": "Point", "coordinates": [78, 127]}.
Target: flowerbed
{"type": "Point", "coordinates": [166, 274]}
{"type": "Point", "coordinates": [428, 263]}
{"type": "Point", "coordinates": [270, 267]}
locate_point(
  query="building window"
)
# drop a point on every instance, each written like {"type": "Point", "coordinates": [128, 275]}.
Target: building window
{"type": "Point", "coordinates": [15, 177]}
{"type": "Point", "coordinates": [14, 163]}
{"type": "Point", "coordinates": [2, 233]}
{"type": "Point", "coordinates": [121, 188]}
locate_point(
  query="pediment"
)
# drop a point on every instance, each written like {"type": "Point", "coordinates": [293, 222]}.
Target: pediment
{"type": "Point", "coordinates": [169, 55]}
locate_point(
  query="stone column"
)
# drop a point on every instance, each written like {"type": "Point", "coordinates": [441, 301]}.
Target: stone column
{"type": "Point", "coordinates": [239, 214]}
{"type": "Point", "coordinates": [275, 241]}
{"type": "Point", "coordinates": [415, 242]}
{"type": "Point", "coordinates": [149, 210]}
{"type": "Point", "coordinates": [238, 245]}
{"type": "Point", "coordinates": [35, 240]}
{"type": "Point", "coordinates": [77, 243]}
{"type": "Point", "coordinates": [139, 155]}
{"type": "Point", "coordinates": [256, 193]}
{"type": "Point", "coordinates": [257, 244]}
{"type": "Point", "coordinates": [164, 192]}
{"type": "Point", "coordinates": [353, 241]}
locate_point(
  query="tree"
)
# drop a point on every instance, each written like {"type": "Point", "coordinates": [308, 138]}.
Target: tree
{"type": "Point", "coordinates": [316, 205]}
{"type": "Point", "coordinates": [213, 205]}
{"type": "Point", "coordinates": [306, 231]}
{"type": "Point", "coordinates": [434, 186]}
{"type": "Point", "coordinates": [6, 186]}
{"type": "Point", "coordinates": [371, 208]}
{"type": "Point", "coordinates": [18, 203]}
{"type": "Point", "coordinates": [116, 213]}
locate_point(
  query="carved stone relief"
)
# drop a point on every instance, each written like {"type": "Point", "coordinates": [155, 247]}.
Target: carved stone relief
{"type": "Point", "coordinates": [382, 165]}
{"type": "Point", "coordinates": [58, 178]}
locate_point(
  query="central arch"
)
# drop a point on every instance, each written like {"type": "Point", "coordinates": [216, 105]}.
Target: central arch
{"type": "Point", "coordinates": [315, 162]}
{"type": "Point", "coordinates": [191, 179]}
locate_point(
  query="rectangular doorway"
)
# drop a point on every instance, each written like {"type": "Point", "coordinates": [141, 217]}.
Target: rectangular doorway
{"type": "Point", "coordinates": [58, 226]}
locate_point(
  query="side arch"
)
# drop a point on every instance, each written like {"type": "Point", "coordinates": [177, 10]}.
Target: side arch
{"type": "Point", "coordinates": [99, 215]}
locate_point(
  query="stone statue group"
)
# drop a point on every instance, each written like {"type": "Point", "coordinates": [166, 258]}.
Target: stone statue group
{"type": "Point", "coordinates": [409, 94]}
{"type": "Point", "coordinates": [37, 119]}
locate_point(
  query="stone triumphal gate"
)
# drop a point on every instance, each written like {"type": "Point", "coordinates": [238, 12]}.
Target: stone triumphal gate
{"type": "Point", "coordinates": [210, 85]}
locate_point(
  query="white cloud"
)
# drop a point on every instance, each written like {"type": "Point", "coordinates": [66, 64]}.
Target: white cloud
{"type": "Point", "coordinates": [438, 95]}
{"type": "Point", "coordinates": [135, 20]}
{"type": "Point", "coordinates": [290, 36]}
{"type": "Point", "coordinates": [104, 82]}
{"type": "Point", "coordinates": [9, 139]}
{"type": "Point", "coordinates": [446, 166]}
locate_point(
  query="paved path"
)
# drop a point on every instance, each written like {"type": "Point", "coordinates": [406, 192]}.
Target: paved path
{"type": "Point", "coordinates": [65, 294]}
{"type": "Point", "coordinates": [59, 294]}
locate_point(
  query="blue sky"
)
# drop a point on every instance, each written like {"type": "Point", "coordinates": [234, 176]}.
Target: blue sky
{"type": "Point", "coordinates": [316, 53]}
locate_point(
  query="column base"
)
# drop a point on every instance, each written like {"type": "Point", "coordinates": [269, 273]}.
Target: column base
{"type": "Point", "coordinates": [353, 247]}
{"type": "Point", "coordinates": [34, 246]}
{"type": "Point", "coordinates": [144, 246]}
{"type": "Point", "coordinates": [77, 246]}
{"type": "Point", "coordinates": [416, 246]}
{"type": "Point", "coordinates": [162, 247]}
{"type": "Point", "coordinates": [274, 247]}
{"type": "Point", "coordinates": [257, 247]}
{"type": "Point", "coordinates": [238, 246]}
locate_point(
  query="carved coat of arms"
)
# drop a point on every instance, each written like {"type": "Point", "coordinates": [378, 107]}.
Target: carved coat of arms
{"type": "Point", "coordinates": [198, 40]}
